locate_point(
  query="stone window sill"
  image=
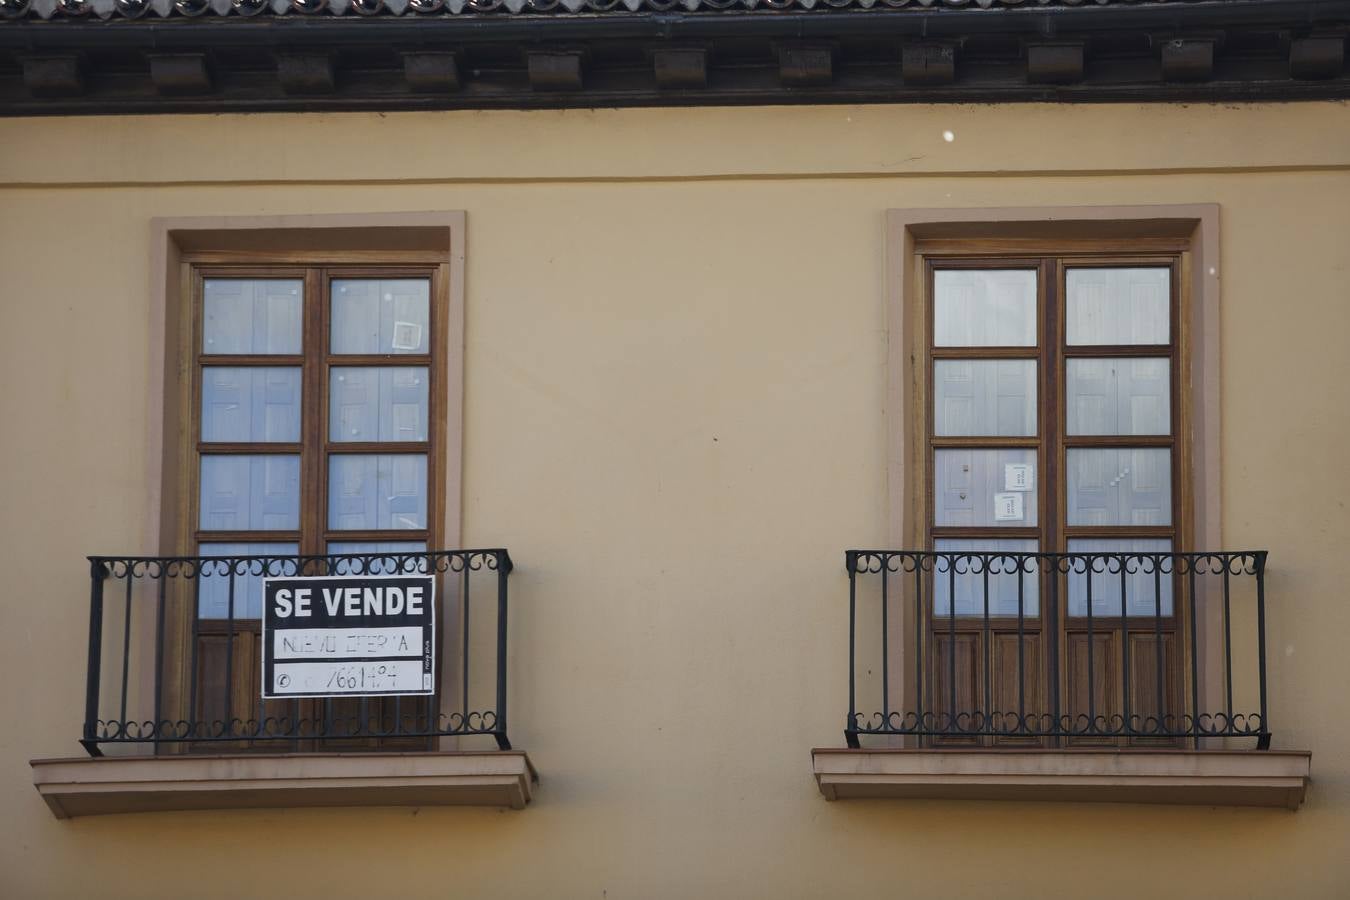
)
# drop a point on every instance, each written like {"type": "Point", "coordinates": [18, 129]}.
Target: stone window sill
{"type": "Point", "coordinates": [1202, 778]}
{"type": "Point", "coordinates": [87, 787]}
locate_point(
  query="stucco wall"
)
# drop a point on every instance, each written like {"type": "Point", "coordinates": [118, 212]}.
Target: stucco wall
{"type": "Point", "coordinates": [675, 378]}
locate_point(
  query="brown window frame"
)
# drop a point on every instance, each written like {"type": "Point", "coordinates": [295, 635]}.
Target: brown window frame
{"type": "Point", "coordinates": [316, 269]}
{"type": "Point", "coordinates": [315, 360]}
{"type": "Point", "coordinates": [1053, 634]}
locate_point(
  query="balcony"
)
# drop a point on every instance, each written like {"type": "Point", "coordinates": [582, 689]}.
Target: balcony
{"type": "Point", "coordinates": [1135, 677]}
{"type": "Point", "coordinates": [175, 716]}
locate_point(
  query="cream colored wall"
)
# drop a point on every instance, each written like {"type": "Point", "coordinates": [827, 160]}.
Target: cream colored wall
{"type": "Point", "coordinates": [675, 380]}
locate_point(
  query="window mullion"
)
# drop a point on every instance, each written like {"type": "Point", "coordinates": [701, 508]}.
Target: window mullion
{"type": "Point", "coordinates": [1051, 427]}
{"type": "Point", "coordinates": [312, 487]}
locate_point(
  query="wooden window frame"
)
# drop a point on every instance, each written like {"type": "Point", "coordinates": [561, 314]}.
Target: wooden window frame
{"type": "Point", "coordinates": [1048, 636]}
{"type": "Point", "coordinates": [316, 446]}
{"type": "Point", "coordinates": [316, 449]}
{"type": "Point", "coordinates": [425, 241]}
{"type": "Point", "coordinates": [1189, 234]}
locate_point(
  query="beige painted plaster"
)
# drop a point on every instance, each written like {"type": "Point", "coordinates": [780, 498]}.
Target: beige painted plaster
{"type": "Point", "coordinates": [675, 393]}
{"type": "Point", "coordinates": [711, 142]}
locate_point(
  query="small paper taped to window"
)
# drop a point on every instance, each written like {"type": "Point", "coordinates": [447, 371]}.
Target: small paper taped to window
{"type": "Point", "coordinates": [1008, 507]}
{"type": "Point", "coordinates": [1019, 477]}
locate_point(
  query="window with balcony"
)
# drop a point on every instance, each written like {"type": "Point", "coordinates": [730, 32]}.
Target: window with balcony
{"type": "Point", "coordinates": [312, 394]}
{"type": "Point", "coordinates": [1052, 426]}
{"type": "Point", "coordinates": [1056, 594]}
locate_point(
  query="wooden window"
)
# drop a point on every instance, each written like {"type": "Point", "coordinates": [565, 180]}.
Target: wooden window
{"type": "Point", "coordinates": [1053, 422]}
{"type": "Point", "coordinates": [317, 398]}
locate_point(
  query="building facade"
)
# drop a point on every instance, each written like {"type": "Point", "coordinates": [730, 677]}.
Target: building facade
{"type": "Point", "coordinates": [869, 450]}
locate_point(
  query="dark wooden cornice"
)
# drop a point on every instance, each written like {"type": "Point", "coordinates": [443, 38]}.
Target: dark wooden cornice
{"type": "Point", "coordinates": [227, 55]}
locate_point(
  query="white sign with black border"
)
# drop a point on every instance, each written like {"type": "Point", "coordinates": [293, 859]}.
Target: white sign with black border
{"type": "Point", "coordinates": [349, 636]}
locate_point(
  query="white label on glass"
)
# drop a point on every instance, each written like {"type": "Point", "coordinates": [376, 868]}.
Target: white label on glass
{"type": "Point", "coordinates": [1008, 507]}
{"type": "Point", "coordinates": [407, 336]}
{"type": "Point", "coordinates": [1018, 477]}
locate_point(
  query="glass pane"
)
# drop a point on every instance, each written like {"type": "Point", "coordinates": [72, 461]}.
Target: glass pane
{"type": "Point", "coordinates": [251, 315]}
{"type": "Point", "coordinates": [985, 487]}
{"type": "Point", "coordinates": [1143, 591]}
{"type": "Point", "coordinates": [1118, 306]}
{"type": "Point", "coordinates": [213, 599]}
{"type": "Point", "coordinates": [984, 308]}
{"type": "Point", "coordinates": [384, 404]}
{"type": "Point", "coordinates": [367, 491]}
{"type": "Point", "coordinates": [250, 493]}
{"type": "Point", "coordinates": [1120, 486]}
{"type": "Point", "coordinates": [985, 397]}
{"type": "Point", "coordinates": [250, 404]}
{"type": "Point", "coordinates": [969, 579]}
{"type": "Point", "coordinates": [1119, 396]}
{"type": "Point", "coordinates": [377, 565]}
{"type": "Point", "coordinates": [381, 315]}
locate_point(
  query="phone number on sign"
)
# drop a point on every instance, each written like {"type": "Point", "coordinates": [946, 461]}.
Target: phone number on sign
{"type": "Point", "coordinates": [348, 677]}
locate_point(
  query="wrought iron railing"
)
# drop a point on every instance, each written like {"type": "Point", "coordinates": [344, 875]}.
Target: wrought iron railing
{"type": "Point", "coordinates": [173, 656]}
{"type": "Point", "coordinates": [1139, 649]}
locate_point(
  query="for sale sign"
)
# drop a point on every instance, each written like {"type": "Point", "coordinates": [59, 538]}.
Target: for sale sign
{"type": "Point", "coordinates": [344, 636]}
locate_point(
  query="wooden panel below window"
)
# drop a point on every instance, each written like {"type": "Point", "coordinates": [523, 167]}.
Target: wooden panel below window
{"type": "Point", "coordinates": [970, 705]}
{"type": "Point", "coordinates": [218, 704]}
{"type": "Point", "coordinates": [1108, 683]}
{"type": "Point", "coordinates": [375, 714]}
{"type": "Point", "coordinates": [969, 672]}
{"type": "Point", "coordinates": [1008, 676]}
{"type": "Point", "coordinates": [338, 716]}
{"type": "Point", "coordinates": [1092, 682]}
{"type": "Point", "coordinates": [1144, 692]}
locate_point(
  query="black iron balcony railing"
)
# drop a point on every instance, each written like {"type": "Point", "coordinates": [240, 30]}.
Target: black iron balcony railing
{"type": "Point", "coordinates": [174, 656]}
{"type": "Point", "coordinates": [986, 649]}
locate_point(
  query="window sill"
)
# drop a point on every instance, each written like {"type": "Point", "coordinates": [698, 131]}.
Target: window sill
{"type": "Point", "coordinates": [1200, 778]}
{"type": "Point", "coordinates": [88, 787]}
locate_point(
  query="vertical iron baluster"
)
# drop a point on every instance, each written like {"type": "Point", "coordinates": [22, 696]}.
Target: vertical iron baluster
{"type": "Point", "coordinates": [126, 652]}
{"type": "Point", "coordinates": [918, 640]}
{"type": "Point", "coordinates": [1259, 561]}
{"type": "Point", "coordinates": [1227, 650]}
{"type": "Point", "coordinates": [464, 650]}
{"type": "Point", "coordinates": [229, 656]}
{"type": "Point", "coordinates": [988, 661]}
{"type": "Point", "coordinates": [1191, 563]}
{"type": "Point", "coordinates": [951, 642]}
{"type": "Point", "coordinates": [850, 735]}
{"type": "Point", "coordinates": [159, 645]}
{"type": "Point", "coordinates": [1021, 651]}
{"type": "Point", "coordinates": [503, 570]}
{"type": "Point", "coordinates": [1051, 627]}
{"type": "Point", "coordinates": [362, 725]}
{"type": "Point", "coordinates": [260, 723]}
{"type": "Point", "coordinates": [1157, 639]}
{"type": "Point", "coordinates": [1125, 648]}
{"type": "Point", "coordinates": [885, 642]}
{"type": "Point", "coordinates": [1091, 672]}
{"type": "Point", "coordinates": [886, 649]}
{"type": "Point", "coordinates": [97, 573]}
{"type": "Point", "coordinates": [195, 676]}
